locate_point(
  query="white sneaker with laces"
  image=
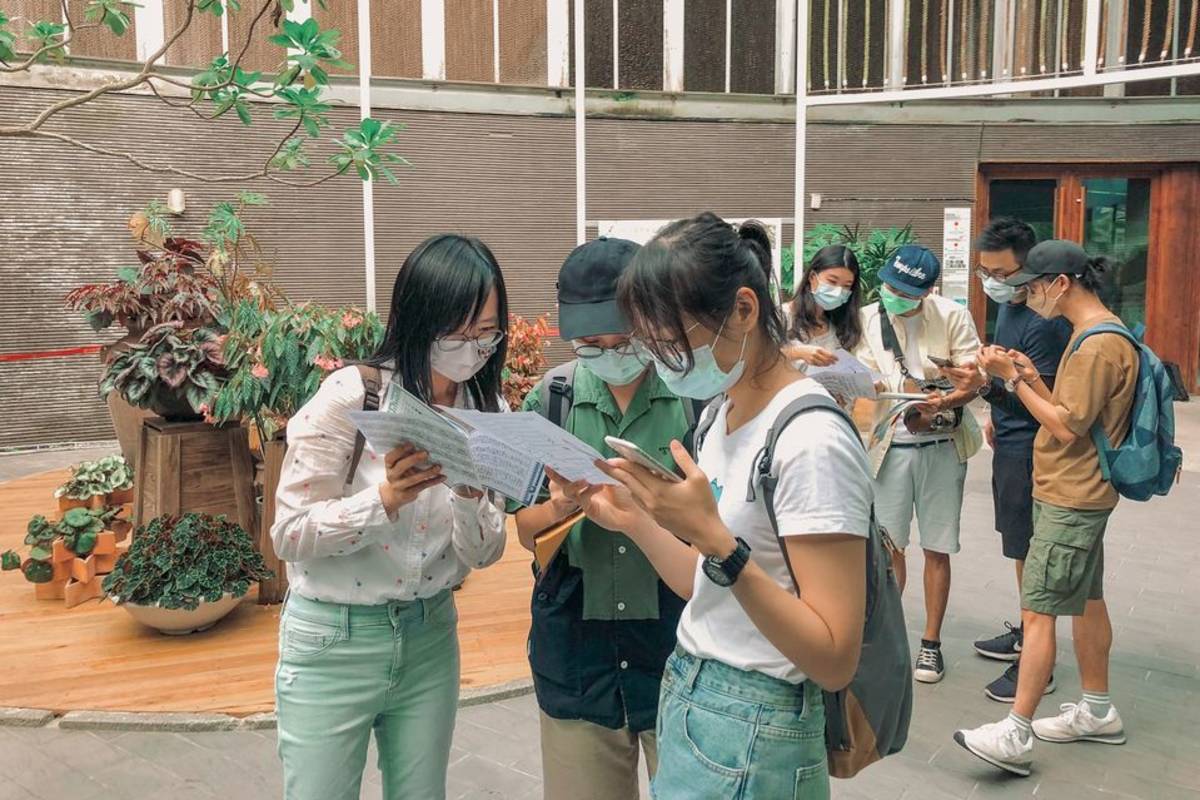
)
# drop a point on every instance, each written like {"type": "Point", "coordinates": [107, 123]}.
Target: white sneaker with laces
{"type": "Point", "coordinates": [1076, 723]}
{"type": "Point", "coordinates": [1000, 744]}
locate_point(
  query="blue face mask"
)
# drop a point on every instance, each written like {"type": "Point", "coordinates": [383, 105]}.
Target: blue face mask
{"type": "Point", "coordinates": [829, 296]}
{"type": "Point", "coordinates": [705, 379]}
{"type": "Point", "coordinates": [617, 369]}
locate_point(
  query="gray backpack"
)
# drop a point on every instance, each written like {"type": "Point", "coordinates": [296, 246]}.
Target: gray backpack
{"type": "Point", "coordinates": [868, 719]}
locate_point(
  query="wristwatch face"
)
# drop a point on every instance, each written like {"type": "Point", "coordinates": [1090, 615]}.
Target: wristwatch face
{"type": "Point", "coordinates": [712, 569]}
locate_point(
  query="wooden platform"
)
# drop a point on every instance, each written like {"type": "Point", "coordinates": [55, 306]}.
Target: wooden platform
{"type": "Point", "coordinates": [96, 657]}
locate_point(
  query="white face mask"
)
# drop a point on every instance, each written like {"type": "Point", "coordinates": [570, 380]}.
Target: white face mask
{"type": "Point", "coordinates": [999, 291]}
{"type": "Point", "coordinates": [458, 360]}
{"type": "Point", "coordinates": [615, 369]}
{"type": "Point", "coordinates": [705, 379]}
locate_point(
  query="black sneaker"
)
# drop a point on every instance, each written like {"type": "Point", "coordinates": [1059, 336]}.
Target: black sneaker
{"type": "Point", "coordinates": [930, 667]}
{"type": "Point", "coordinates": [1004, 688]}
{"type": "Point", "coordinates": [1005, 647]}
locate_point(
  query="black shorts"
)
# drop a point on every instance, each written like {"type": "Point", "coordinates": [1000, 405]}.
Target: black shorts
{"type": "Point", "coordinates": [1012, 497]}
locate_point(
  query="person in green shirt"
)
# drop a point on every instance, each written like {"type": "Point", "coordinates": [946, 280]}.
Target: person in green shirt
{"type": "Point", "coordinates": [603, 623]}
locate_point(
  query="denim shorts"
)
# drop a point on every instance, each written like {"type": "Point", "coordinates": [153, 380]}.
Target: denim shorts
{"type": "Point", "coordinates": [729, 734]}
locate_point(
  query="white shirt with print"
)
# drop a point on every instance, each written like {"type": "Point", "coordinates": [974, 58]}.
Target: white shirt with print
{"type": "Point", "coordinates": [824, 487]}
{"type": "Point", "coordinates": [339, 543]}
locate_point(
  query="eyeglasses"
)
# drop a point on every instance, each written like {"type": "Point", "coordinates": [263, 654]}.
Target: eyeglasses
{"type": "Point", "coordinates": [984, 274]}
{"type": "Point", "coordinates": [627, 348]}
{"type": "Point", "coordinates": [487, 341]}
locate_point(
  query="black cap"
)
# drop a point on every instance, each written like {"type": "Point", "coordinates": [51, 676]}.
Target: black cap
{"type": "Point", "coordinates": [1051, 257]}
{"type": "Point", "coordinates": [587, 288]}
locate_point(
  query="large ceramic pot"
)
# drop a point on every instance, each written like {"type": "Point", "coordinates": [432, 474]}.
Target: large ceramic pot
{"type": "Point", "coordinates": [180, 621]}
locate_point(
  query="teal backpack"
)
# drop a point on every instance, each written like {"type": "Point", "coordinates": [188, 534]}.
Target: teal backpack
{"type": "Point", "coordinates": [1147, 462]}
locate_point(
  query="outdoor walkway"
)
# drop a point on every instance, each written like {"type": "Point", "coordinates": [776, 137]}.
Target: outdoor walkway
{"type": "Point", "coordinates": [1151, 567]}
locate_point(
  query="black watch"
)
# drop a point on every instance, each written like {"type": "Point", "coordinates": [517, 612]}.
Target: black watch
{"type": "Point", "coordinates": [724, 571]}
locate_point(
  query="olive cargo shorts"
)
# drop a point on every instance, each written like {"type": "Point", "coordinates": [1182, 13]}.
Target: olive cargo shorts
{"type": "Point", "coordinates": [1065, 565]}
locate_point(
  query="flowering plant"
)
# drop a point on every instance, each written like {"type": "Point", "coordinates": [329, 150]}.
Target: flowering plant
{"type": "Point", "coordinates": [279, 358]}
{"type": "Point", "coordinates": [526, 357]}
{"type": "Point", "coordinates": [173, 371]}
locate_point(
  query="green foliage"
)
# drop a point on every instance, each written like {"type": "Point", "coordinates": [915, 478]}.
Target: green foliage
{"type": "Point", "coordinates": [10, 560]}
{"type": "Point", "coordinates": [178, 562]}
{"type": "Point", "coordinates": [310, 52]}
{"type": "Point", "coordinates": [103, 476]}
{"type": "Point", "coordinates": [787, 271]}
{"type": "Point", "coordinates": [79, 528]}
{"type": "Point", "coordinates": [277, 359]}
{"type": "Point", "coordinates": [47, 38]}
{"type": "Point", "coordinates": [8, 41]}
{"type": "Point", "coordinates": [360, 148]}
{"type": "Point", "coordinates": [216, 7]}
{"type": "Point", "coordinates": [872, 250]}
{"type": "Point", "coordinates": [168, 365]}
{"type": "Point", "coordinates": [109, 13]}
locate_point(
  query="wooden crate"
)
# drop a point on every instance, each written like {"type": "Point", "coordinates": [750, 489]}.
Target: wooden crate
{"type": "Point", "coordinates": [194, 467]}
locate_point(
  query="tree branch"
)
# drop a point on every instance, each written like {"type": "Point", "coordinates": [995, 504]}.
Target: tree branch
{"type": "Point", "coordinates": [41, 51]}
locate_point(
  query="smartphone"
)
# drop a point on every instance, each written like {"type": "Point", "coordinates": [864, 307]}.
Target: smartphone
{"type": "Point", "coordinates": [941, 362]}
{"type": "Point", "coordinates": [637, 455]}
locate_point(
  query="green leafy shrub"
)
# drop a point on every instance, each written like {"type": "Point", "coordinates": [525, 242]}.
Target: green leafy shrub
{"type": "Point", "coordinates": [103, 476]}
{"type": "Point", "coordinates": [277, 359]}
{"type": "Point", "coordinates": [179, 562]}
{"type": "Point", "coordinates": [78, 530]}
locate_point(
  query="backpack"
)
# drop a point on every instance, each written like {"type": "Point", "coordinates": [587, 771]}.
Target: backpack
{"type": "Point", "coordinates": [868, 719]}
{"type": "Point", "coordinates": [557, 393]}
{"type": "Point", "coordinates": [1147, 462]}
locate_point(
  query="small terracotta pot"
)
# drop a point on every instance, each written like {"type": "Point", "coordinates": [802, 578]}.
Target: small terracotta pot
{"type": "Point", "coordinates": [54, 590]}
{"type": "Point", "coordinates": [106, 543]}
{"type": "Point", "coordinates": [121, 497]}
{"type": "Point", "coordinates": [84, 569]}
{"type": "Point", "coordinates": [120, 529]}
{"type": "Point", "coordinates": [97, 501]}
{"type": "Point", "coordinates": [105, 563]}
{"type": "Point", "coordinates": [65, 504]}
{"type": "Point", "coordinates": [75, 592]}
{"type": "Point", "coordinates": [59, 552]}
{"type": "Point", "coordinates": [62, 570]}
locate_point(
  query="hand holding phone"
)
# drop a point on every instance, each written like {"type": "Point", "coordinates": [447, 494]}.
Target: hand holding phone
{"type": "Point", "coordinates": [941, 362]}
{"type": "Point", "coordinates": [631, 452]}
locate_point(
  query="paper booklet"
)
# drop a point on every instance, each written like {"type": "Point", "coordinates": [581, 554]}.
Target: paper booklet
{"type": "Point", "coordinates": [848, 378]}
{"type": "Point", "coordinates": [504, 452]}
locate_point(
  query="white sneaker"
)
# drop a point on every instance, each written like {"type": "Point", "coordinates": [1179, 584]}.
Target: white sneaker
{"type": "Point", "coordinates": [1000, 744]}
{"type": "Point", "coordinates": [1076, 723]}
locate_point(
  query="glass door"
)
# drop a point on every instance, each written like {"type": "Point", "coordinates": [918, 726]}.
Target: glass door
{"type": "Point", "coordinates": [1116, 224]}
{"type": "Point", "coordinates": [1033, 200]}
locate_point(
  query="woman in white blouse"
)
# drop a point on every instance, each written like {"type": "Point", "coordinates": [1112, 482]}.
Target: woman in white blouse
{"type": "Point", "coordinates": [368, 636]}
{"type": "Point", "coordinates": [825, 314]}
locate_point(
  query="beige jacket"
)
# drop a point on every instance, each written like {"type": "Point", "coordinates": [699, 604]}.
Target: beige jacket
{"type": "Point", "coordinates": [947, 331]}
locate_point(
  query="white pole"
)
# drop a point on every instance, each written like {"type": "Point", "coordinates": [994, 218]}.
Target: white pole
{"type": "Point", "coordinates": [1091, 40]}
{"type": "Point", "coordinates": [364, 108]}
{"type": "Point", "coordinates": [801, 132]}
{"type": "Point", "coordinates": [580, 116]}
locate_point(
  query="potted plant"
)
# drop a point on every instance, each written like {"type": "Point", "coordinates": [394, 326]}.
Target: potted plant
{"type": "Point", "coordinates": [172, 371]}
{"type": "Point", "coordinates": [66, 558]}
{"type": "Point", "coordinates": [105, 482]}
{"type": "Point", "coordinates": [183, 574]}
{"type": "Point", "coordinates": [526, 357]}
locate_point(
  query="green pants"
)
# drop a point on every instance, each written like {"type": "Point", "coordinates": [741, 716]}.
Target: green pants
{"type": "Point", "coordinates": [1065, 564]}
{"type": "Point", "coordinates": [347, 670]}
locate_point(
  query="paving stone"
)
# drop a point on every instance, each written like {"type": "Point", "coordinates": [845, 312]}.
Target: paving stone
{"type": "Point", "coordinates": [25, 717]}
{"type": "Point", "coordinates": [127, 721]}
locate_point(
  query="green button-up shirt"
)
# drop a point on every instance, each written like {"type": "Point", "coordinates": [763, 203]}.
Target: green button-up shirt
{"type": "Point", "coordinates": [619, 582]}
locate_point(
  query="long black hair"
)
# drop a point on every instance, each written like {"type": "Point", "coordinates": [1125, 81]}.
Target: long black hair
{"type": "Point", "coordinates": [443, 285]}
{"type": "Point", "coordinates": [694, 268]}
{"type": "Point", "coordinates": [845, 319]}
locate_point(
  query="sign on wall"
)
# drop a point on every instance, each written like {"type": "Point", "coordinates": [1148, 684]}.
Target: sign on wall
{"type": "Point", "coordinates": [956, 253]}
{"type": "Point", "coordinates": [643, 230]}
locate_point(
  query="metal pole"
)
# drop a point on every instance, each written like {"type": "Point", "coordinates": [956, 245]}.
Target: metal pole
{"type": "Point", "coordinates": [580, 116]}
{"type": "Point", "coordinates": [364, 109]}
{"type": "Point", "coordinates": [1091, 40]}
{"type": "Point", "coordinates": [801, 132]}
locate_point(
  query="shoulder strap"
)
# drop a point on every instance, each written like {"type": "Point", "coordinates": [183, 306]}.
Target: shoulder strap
{"type": "Point", "coordinates": [705, 420]}
{"type": "Point", "coordinates": [887, 333]}
{"type": "Point", "coordinates": [1107, 327]}
{"type": "Point", "coordinates": [557, 393]}
{"type": "Point", "coordinates": [761, 474]}
{"type": "Point", "coordinates": [372, 382]}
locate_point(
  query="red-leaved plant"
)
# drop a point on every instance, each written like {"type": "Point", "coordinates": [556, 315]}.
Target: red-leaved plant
{"type": "Point", "coordinates": [526, 357]}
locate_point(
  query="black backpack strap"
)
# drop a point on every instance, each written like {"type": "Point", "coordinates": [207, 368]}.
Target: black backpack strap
{"type": "Point", "coordinates": [887, 333]}
{"type": "Point", "coordinates": [372, 380]}
{"type": "Point", "coordinates": [557, 393]}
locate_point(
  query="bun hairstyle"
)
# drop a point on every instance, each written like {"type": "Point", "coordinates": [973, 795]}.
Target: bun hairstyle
{"type": "Point", "coordinates": [845, 319]}
{"type": "Point", "coordinates": [690, 272]}
{"type": "Point", "coordinates": [1095, 276]}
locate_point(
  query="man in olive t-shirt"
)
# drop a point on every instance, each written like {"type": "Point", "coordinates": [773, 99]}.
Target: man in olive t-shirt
{"type": "Point", "coordinates": [1064, 570]}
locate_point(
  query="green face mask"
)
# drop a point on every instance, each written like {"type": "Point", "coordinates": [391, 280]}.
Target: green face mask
{"type": "Point", "coordinates": [894, 303]}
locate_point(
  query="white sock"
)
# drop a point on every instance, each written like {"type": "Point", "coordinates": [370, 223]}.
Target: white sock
{"type": "Point", "coordinates": [1098, 703]}
{"type": "Point", "coordinates": [1024, 725]}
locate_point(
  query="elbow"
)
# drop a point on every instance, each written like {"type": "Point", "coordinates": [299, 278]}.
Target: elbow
{"type": "Point", "coordinates": [1065, 435]}
{"type": "Point", "coordinates": [837, 675]}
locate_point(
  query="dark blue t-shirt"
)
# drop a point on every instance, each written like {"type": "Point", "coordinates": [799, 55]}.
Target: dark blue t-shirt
{"type": "Point", "coordinates": [1043, 340]}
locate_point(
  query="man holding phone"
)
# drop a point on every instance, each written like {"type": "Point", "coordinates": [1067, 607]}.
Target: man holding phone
{"type": "Point", "coordinates": [1002, 246]}
{"type": "Point", "coordinates": [919, 450]}
{"type": "Point", "coordinates": [603, 623]}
